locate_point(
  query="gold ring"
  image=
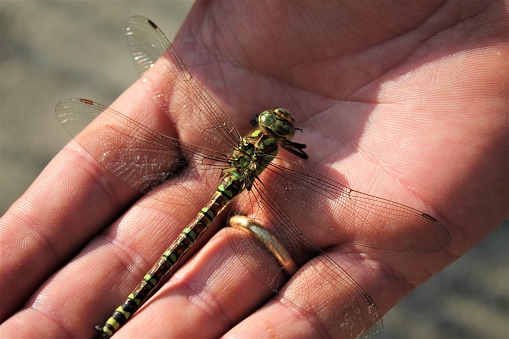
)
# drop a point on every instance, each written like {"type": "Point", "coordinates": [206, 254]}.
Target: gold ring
{"type": "Point", "coordinates": [268, 240]}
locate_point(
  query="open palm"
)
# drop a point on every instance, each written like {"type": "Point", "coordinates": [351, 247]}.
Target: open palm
{"type": "Point", "coordinates": [409, 104]}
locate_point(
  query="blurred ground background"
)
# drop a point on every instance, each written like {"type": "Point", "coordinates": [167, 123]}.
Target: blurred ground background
{"type": "Point", "coordinates": [50, 50]}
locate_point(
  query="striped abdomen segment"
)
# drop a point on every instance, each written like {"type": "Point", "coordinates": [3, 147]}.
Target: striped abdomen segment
{"type": "Point", "coordinates": [229, 188]}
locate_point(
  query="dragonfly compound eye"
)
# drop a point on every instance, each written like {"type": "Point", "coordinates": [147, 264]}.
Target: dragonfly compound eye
{"type": "Point", "coordinates": [278, 122]}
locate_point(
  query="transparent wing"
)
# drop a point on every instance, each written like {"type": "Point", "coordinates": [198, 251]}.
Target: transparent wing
{"type": "Point", "coordinates": [173, 89]}
{"type": "Point", "coordinates": [287, 189]}
{"type": "Point", "coordinates": [137, 155]}
{"type": "Point", "coordinates": [321, 287]}
{"type": "Point", "coordinates": [353, 216]}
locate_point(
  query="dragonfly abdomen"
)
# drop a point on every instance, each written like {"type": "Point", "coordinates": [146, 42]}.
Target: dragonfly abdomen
{"type": "Point", "coordinates": [231, 185]}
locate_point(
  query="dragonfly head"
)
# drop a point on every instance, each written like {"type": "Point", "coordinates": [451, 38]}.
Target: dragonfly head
{"type": "Point", "coordinates": [277, 123]}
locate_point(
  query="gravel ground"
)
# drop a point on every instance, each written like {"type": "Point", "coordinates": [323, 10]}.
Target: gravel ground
{"type": "Point", "coordinates": [52, 50]}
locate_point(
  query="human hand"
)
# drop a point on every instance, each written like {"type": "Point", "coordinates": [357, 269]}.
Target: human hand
{"type": "Point", "coordinates": [405, 113]}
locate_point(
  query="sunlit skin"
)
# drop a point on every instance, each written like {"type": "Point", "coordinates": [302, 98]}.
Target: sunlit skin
{"type": "Point", "coordinates": [406, 103]}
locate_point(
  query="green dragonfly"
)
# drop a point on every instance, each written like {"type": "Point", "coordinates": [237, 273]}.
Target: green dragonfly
{"type": "Point", "coordinates": [245, 173]}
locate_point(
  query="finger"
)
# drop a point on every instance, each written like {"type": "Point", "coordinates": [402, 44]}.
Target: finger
{"type": "Point", "coordinates": [72, 200]}
{"type": "Point", "coordinates": [205, 298]}
{"type": "Point", "coordinates": [85, 292]}
{"type": "Point", "coordinates": [62, 209]}
{"type": "Point", "coordinates": [214, 289]}
{"type": "Point", "coordinates": [313, 305]}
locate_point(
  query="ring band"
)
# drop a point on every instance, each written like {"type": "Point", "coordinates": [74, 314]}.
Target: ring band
{"type": "Point", "coordinates": [270, 242]}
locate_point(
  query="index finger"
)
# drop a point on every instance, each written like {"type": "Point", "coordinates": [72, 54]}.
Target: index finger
{"type": "Point", "coordinates": [70, 202]}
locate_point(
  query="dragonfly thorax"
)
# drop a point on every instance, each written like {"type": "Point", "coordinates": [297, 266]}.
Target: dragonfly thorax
{"type": "Point", "coordinates": [251, 157]}
{"type": "Point", "coordinates": [255, 151]}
